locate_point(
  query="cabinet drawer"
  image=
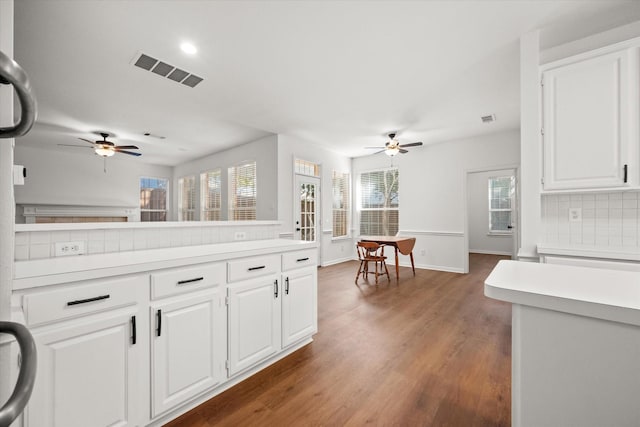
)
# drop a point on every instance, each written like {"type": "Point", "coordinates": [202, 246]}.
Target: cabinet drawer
{"type": "Point", "coordinates": [81, 299]}
{"type": "Point", "coordinates": [298, 259]}
{"type": "Point", "coordinates": [247, 268]}
{"type": "Point", "coordinates": [185, 279]}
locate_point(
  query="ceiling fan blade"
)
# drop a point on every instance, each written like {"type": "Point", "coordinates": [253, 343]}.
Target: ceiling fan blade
{"type": "Point", "coordinates": [413, 144]}
{"type": "Point", "coordinates": [403, 151]}
{"type": "Point", "coordinates": [381, 151]}
{"type": "Point", "coordinates": [375, 148]}
{"type": "Point", "coordinates": [131, 153]}
{"type": "Point", "coordinates": [86, 140]}
{"type": "Point", "coordinates": [72, 145]}
{"type": "Point", "coordinates": [126, 147]}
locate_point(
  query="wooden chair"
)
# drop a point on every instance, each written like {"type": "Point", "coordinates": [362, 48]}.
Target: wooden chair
{"type": "Point", "coordinates": [371, 252]}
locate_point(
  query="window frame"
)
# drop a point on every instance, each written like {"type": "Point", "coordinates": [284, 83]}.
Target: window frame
{"type": "Point", "coordinates": [233, 207]}
{"type": "Point", "coordinates": [490, 210]}
{"type": "Point", "coordinates": [346, 199]}
{"type": "Point", "coordinates": [204, 195]}
{"type": "Point", "coordinates": [360, 195]}
{"type": "Point", "coordinates": [189, 210]}
{"type": "Point", "coordinates": [166, 202]}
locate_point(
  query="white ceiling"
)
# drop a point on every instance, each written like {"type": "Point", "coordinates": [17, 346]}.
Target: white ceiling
{"type": "Point", "coordinates": [340, 74]}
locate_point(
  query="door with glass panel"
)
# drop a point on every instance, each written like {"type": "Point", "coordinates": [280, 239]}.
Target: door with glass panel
{"type": "Point", "coordinates": [306, 208]}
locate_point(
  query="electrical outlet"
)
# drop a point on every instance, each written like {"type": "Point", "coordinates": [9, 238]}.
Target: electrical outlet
{"type": "Point", "coordinates": [575, 214]}
{"type": "Point", "coordinates": [341, 248]}
{"type": "Point", "coordinates": [240, 235]}
{"type": "Point", "coordinates": [70, 248]}
{"type": "Point", "coordinates": [423, 252]}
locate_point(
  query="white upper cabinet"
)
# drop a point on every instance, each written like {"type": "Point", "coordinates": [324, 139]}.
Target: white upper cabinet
{"type": "Point", "coordinates": [590, 121]}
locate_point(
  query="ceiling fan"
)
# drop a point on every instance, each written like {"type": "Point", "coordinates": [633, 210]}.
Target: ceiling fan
{"type": "Point", "coordinates": [106, 148]}
{"type": "Point", "coordinates": [393, 147]}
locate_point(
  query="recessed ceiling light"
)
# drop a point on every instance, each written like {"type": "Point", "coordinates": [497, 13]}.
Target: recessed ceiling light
{"type": "Point", "coordinates": [188, 48]}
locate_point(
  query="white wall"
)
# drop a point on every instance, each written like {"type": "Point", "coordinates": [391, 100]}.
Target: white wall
{"type": "Point", "coordinates": [478, 215]}
{"type": "Point", "coordinates": [67, 177]}
{"type": "Point", "coordinates": [264, 151]}
{"type": "Point", "coordinates": [290, 148]}
{"type": "Point", "coordinates": [431, 193]}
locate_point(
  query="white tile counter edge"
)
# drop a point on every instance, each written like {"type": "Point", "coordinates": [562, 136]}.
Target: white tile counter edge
{"type": "Point", "coordinates": [129, 225]}
{"type": "Point", "coordinates": [627, 254]}
{"type": "Point", "coordinates": [605, 294]}
{"type": "Point", "coordinates": [51, 271]}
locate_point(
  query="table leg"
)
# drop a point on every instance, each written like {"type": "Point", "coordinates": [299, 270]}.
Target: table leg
{"type": "Point", "coordinates": [412, 265]}
{"type": "Point", "coordinates": [397, 267]}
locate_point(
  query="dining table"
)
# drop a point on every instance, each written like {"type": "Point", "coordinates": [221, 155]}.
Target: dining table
{"type": "Point", "coordinates": [401, 244]}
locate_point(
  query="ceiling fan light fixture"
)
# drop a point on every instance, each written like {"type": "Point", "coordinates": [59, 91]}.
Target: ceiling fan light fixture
{"type": "Point", "coordinates": [105, 152]}
{"type": "Point", "coordinates": [392, 151]}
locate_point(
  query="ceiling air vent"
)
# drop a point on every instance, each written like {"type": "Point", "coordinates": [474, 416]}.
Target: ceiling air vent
{"type": "Point", "coordinates": [488, 119]}
{"type": "Point", "coordinates": [163, 69]}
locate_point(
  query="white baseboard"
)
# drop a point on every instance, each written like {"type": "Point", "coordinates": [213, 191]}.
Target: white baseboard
{"type": "Point", "coordinates": [488, 252]}
{"type": "Point", "coordinates": [336, 261]}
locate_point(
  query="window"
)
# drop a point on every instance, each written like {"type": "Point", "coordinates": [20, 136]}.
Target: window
{"type": "Point", "coordinates": [304, 167]}
{"type": "Point", "coordinates": [378, 202]}
{"type": "Point", "coordinates": [210, 195]}
{"type": "Point", "coordinates": [242, 192]}
{"type": "Point", "coordinates": [187, 198]}
{"type": "Point", "coordinates": [340, 185]}
{"type": "Point", "coordinates": [153, 199]}
{"type": "Point", "coordinates": [501, 190]}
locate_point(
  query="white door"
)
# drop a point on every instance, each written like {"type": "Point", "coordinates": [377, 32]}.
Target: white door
{"type": "Point", "coordinates": [188, 348]}
{"type": "Point", "coordinates": [587, 118]}
{"type": "Point", "coordinates": [254, 316]}
{"type": "Point", "coordinates": [306, 201]}
{"type": "Point", "coordinates": [299, 305]}
{"type": "Point", "coordinates": [87, 375]}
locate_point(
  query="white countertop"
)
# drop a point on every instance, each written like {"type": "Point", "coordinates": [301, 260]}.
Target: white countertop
{"type": "Point", "coordinates": [600, 293]}
{"type": "Point", "coordinates": [130, 225]}
{"type": "Point", "coordinates": [613, 253]}
{"type": "Point", "coordinates": [51, 271]}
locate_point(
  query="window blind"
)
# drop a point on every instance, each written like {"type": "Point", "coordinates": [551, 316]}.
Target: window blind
{"type": "Point", "coordinates": [340, 185]}
{"type": "Point", "coordinates": [304, 167]}
{"type": "Point", "coordinates": [242, 192]}
{"type": "Point", "coordinates": [379, 202]}
{"type": "Point", "coordinates": [187, 198]}
{"type": "Point", "coordinates": [210, 195]}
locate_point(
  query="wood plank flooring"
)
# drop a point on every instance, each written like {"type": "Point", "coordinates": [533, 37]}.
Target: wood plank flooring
{"type": "Point", "coordinates": [429, 350]}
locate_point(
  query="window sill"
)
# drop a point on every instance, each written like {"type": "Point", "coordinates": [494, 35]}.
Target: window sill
{"type": "Point", "coordinates": [337, 239]}
{"type": "Point", "coordinates": [500, 234]}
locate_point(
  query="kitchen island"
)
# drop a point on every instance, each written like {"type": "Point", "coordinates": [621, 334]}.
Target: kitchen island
{"type": "Point", "coordinates": [575, 343]}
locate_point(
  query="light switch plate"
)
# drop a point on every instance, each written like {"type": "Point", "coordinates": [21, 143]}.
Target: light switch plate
{"type": "Point", "coordinates": [575, 214]}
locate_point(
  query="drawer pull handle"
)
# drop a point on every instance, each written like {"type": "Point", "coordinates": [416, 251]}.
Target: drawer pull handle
{"type": "Point", "coordinates": [159, 320]}
{"type": "Point", "coordinates": [256, 268]}
{"type": "Point", "coordinates": [302, 259]}
{"type": "Point", "coordinates": [286, 286]}
{"type": "Point", "coordinates": [84, 301]}
{"type": "Point", "coordinates": [133, 330]}
{"type": "Point", "coordinates": [184, 282]}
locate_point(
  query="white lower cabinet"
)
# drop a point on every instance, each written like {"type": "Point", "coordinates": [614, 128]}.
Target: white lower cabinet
{"type": "Point", "coordinates": [254, 321]}
{"type": "Point", "coordinates": [139, 349]}
{"type": "Point", "coordinates": [188, 348]}
{"type": "Point", "coordinates": [88, 373]}
{"type": "Point", "coordinates": [299, 306]}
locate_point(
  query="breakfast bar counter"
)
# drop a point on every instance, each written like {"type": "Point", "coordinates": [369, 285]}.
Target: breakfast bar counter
{"type": "Point", "coordinates": [575, 343]}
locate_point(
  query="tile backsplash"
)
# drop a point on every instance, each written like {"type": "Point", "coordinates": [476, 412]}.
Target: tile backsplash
{"type": "Point", "coordinates": [41, 244]}
{"type": "Point", "coordinates": [609, 220]}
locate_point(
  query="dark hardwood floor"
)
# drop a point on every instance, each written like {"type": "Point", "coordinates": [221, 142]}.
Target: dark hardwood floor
{"type": "Point", "coordinates": [427, 350]}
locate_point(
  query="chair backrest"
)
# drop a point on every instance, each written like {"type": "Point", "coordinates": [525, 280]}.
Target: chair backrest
{"type": "Point", "coordinates": [369, 249]}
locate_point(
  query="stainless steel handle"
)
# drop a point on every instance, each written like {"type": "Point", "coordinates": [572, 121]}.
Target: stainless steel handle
{"type": "Point", "coordinates": [27, 375]}
{"type": "Point", "coordinates": [12, 73]}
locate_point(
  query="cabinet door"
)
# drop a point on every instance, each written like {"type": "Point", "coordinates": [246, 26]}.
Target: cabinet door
{"type": "Point", "coordinates": [87, 375]}
{"type": "Point", "coordinates": [299, 305]}
{"type": "Point", "coordinates": [588, 122]}
{"type": "Point", "coordinates": [254, 322]}
{"type": "Point", "coordinates": [188, 347]}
